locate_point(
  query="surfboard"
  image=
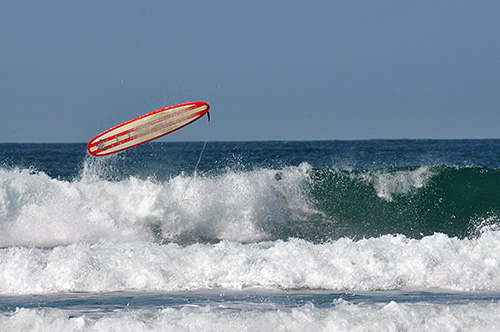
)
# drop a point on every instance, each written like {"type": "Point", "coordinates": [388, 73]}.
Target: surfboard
{"type": "Point", "coordinates": [146, 128]}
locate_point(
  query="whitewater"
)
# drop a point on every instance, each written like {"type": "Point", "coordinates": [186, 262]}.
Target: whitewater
{"type": "Point", "coordinates": [334, 235]}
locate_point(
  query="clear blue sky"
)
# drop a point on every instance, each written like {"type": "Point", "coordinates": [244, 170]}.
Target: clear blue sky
{"type": "Point", "coordinates": [285, 70]}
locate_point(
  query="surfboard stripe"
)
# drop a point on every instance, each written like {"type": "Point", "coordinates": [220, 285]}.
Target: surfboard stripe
{"type": "Point", "coordinates": [146, 128]}
{"type": "Point", "coordinates": [133, 138]}
{"type": "Point", "coordinates": [144, 120]}
{"type": "Point", "coordinates": [132, 134]}
{"type": "Point", "coordinates": [145, 135]}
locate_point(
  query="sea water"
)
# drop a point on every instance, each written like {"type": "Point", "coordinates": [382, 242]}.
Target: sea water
{"type": "Point", "coordinates": [396, 235]}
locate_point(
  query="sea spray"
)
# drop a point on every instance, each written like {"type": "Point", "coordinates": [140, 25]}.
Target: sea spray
{"type": "Point", "coordinates": [237, 206]}
{"type": "Point", "coordinates": [388, 185]}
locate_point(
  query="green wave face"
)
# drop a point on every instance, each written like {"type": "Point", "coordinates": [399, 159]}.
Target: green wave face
{"type": "Point", "coordinates": [414, 202]}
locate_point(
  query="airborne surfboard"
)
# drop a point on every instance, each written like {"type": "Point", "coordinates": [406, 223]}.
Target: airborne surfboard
{"type": "Point", "coordinates": [146, 128]}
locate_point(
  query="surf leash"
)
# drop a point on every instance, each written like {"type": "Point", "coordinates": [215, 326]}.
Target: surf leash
{"type": "Point", "coordinates": [204, 145]}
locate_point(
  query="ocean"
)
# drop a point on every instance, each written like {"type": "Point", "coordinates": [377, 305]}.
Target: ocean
{"type": "Point", "coordinates": [375, 235]}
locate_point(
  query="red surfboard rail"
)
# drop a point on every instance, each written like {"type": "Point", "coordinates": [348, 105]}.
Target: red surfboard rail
{"type": "Point", "coordinates": [146, 128]}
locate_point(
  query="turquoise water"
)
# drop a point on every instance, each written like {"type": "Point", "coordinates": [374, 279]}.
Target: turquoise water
{"type": "Point", "coordinates": [394, 235]}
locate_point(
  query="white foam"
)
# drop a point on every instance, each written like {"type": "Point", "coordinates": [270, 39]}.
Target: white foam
{"type": "Point", "coordinates": [98, 235]}
{"type": "Point", "coordinates": [239, 206]}
{"type": "Point", "coordinates": [385, 263]}
{"type": "Point", "coordinates": [41, 211]}
{"type": "Point", "coordinates": [341, 317]}
{"type": "Point", "coordinates": [389, 184]}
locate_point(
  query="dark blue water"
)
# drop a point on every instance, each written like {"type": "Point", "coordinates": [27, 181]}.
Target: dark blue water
{"type": "Point", "coordinates": [164, 159]}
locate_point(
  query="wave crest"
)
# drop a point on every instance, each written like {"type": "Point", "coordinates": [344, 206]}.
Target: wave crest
{"type": "Point", "coordinates": [237, 206]}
